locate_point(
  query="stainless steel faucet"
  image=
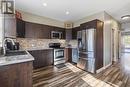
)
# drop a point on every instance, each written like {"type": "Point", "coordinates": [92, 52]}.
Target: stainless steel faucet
{"type": "Point", "coordinates": [5, 46]}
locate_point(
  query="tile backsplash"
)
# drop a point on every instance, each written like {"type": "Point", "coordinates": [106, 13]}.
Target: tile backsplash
{"type": "Point", "coordinates": [30, 43]}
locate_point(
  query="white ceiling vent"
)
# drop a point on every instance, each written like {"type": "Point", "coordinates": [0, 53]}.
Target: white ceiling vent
{"type": "Point", "coordinates": [68, 25]}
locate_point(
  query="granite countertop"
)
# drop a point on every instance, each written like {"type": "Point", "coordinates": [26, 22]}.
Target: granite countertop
{"type": "Point", "coordinates": [39, 49]}
{"type": "Point", "coordinates": [71, 47]}
{"type": "Point", "coordinates": [47, 48]}
{"type": "Point", "coordinates": [7, 60]}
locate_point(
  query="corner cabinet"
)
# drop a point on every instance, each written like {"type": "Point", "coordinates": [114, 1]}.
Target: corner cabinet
{"type": "Point", "coordinates": [20, 28]}
{"type": "Point", "coordinates": [74, 32]}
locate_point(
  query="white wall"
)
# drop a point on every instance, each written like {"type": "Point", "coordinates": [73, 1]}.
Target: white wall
{"type": "Point", "coordinates": [109, 24]}
{"type": "Point", "coordinates": [107, 39]}
{"type": "Point", "coordinates": [40, 19]}
{"type": "Point", "coordinates": [116, 26]}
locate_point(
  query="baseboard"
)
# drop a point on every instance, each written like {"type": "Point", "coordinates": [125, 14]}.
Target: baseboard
{"type": "Point", "coordinates": [103, 68]}
{"type": "Point", "coordinates": [99, 70]}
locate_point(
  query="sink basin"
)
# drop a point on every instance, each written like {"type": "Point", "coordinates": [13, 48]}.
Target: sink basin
{"type": "Point", "coordinates": [15, 53]}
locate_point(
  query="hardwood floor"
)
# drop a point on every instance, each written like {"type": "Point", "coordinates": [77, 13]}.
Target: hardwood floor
{"type": "Point", "coordinates": [67, 75]}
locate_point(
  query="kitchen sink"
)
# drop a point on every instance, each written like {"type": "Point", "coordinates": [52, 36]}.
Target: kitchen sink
{"type": "Point", "coordinates": [15, 53]}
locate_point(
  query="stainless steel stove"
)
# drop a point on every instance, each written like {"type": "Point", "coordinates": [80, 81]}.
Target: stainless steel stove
{"type": "Point", "coordinates": [58, 53]}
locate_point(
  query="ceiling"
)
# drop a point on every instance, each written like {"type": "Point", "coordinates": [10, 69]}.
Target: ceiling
{"type": "Point", "coordinates": [77, 9]}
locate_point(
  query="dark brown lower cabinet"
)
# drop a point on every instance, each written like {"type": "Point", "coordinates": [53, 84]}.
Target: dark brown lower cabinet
{"type": "Point", "coordinates": [16, 75]}
{"type": "Point", "coordinates": [42, 58]}
{"type": "Point", "coordinates": [68, 54]}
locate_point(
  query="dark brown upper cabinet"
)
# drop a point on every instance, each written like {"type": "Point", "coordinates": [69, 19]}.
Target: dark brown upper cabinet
{"type": "Point", "coordinates": [34, 30]}
{"type": "Point", "coordinates": [41, 31]}
{"type": "Point", "coordinates": [68, 34]}
{"type": "Point", "coordinates": [88, 25]}
{"type": "Point", "coordinates": [74, 32]}
{"type": "Point", "coordinates": [20, 28]}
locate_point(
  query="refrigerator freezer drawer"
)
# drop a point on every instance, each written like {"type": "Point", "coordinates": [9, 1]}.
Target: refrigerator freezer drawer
{"type": "Point", "coordinates": [91, 55]}
{"type": "Point", "coordinates": [86, 54]}
{"type": "Point", "coordinates": [87, 65]}
{"type": "Point", "coordinates": [81, 64]}
{"type": "Point", "coordinates": [90, 65]}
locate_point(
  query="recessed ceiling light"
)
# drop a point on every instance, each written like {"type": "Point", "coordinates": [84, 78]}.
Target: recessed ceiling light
{"type": "Point", "coordinates": [67, 12]}
{"type": "Point", "coordinates": [45, 4]}
{"type": "Point", "coordinates": [125, 17]}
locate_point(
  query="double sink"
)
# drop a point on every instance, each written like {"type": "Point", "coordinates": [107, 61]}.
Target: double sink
{"type": "Point", "coordinates": [15, 53]}
{"type": "Point", "coordinates": [13, 56]}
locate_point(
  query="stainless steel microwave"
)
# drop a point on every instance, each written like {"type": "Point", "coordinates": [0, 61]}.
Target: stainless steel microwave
{"type": "Point", "coordinates": [56, 35]}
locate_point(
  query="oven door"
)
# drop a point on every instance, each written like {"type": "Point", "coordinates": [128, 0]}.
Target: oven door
{"type": "Point", "coordinates": [58, 54]}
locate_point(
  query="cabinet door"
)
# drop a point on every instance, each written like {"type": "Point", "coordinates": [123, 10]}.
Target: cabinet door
{"type": "Point", "coordinates": [41, 31]}
{"type": "Point", "coordinates": [30, 30]}
{"type": "Point", "coordinates": [68, 54]}
{"type": "Point", "coordinates": [42, 58]}
{"type": "Point", "coordinates": [47, 31]}
{"type": "Point", "coordinates": [68, 34]}
{"type": "Point", "coordinates": [10, 26]}
{"type": "Point", "coordinates": [74, 32]}
{"type": "Point", "coordinates": [16, 75]}
{"type": "Point", "coordinates": [20, 25]}
{"type": "Point", "coordinates": [38, 31]}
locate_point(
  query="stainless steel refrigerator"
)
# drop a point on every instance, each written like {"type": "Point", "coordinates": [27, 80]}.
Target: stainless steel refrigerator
{"type": "Point", "coordinates": [86, 49]}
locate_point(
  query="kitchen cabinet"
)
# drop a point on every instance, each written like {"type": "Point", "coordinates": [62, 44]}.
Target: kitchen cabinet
{"type": "Point", "coordinates": [16, 75]}
{"type": "Point", "coordinates": [68, 34]}
{"type": "Point", "coordinates": [74, 32]}
{"type": "Point", "coordinates": [68, 54]}
{"type": "Point", "coordinates": [47, 31]}
{"type": "Point", "coordinates": [41, 31]}
{"type": "Point", "coordinates": [33, 30]}
{"type": "Point", "coordinates": [88, 25]}
{"type": "Point", "coordinates": [9, 26]}
{"type": "Point", "coordinates": [71, 55]}
{"type": "Point", "coordinates": [20, 28]}
{"type": "Point", "coordinates": [42, 58]}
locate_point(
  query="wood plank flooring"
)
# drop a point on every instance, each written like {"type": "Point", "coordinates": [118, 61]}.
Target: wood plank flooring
{"type": "Point", "coordinates": [68, 75]}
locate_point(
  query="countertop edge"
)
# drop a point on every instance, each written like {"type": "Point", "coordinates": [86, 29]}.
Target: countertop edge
{"type": "Point", "coordinates": [16, 62]}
